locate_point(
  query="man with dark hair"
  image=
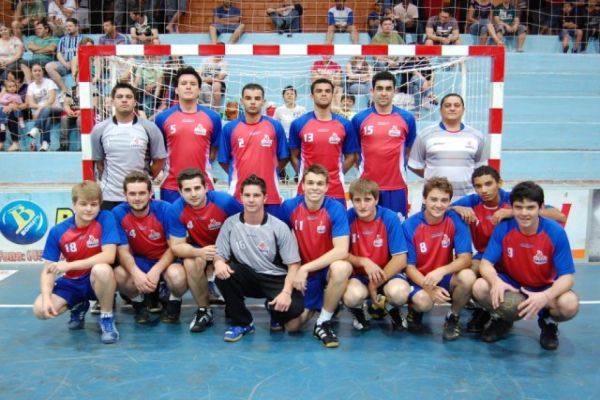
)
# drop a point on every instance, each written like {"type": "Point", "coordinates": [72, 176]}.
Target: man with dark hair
{"type": "Point", "coordinates": [341, 19]}
{"type": "Point", "coordinates": [442, 28]}
{"type": "Point", "coordinates": [65, 53]}
{"type": "Point", "coordinates": [257, 256]}
{"type": "Point", "coordinates": [531, 255]}
{"type": "Point", "coordinates": [111, 34]}
{"type": "Point", "coordinates": [42, 47]}
{"type": "Point", "coordinates": [191, 133]}
{"type": "Point", "coordinates": [125, 143]}
{"type": "Point", "coordinates": [226, 19]}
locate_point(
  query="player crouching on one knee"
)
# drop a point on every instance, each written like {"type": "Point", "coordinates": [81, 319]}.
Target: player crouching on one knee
{"type": "Point", "coordinates": [377, 253]}
{"type": "Point", "coordinates": [439, 257]}
{"type": "Point", "coordinates": [88, 242]}
{"type": "Point", "coordinates": [145, 256]}
{"type": "Point", "coordinates": [536, 260]}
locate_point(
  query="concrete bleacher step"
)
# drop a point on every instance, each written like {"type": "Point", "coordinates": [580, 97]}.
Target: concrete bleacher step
{"type": "Point", "coordinates": [551, 165]}
{"type": "Point", "coordinates": [540, 136]}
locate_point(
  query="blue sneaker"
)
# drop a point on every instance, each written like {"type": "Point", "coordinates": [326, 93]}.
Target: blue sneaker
{"type": "Point", "coordinates": [110, 334]}
{"type": "Point", "coordinates": [78, 311]}
{"type": "Point", "coordinates": [235, 333]}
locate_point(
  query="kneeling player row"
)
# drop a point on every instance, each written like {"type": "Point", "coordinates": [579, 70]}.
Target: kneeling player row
{"type": "Point", "coordinates": [327, 256]}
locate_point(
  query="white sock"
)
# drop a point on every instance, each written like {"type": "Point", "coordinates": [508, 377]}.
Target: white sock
{"type": "Point", "coordinates": [104, 314]}
{"type": "Point", "coordinates": [172, 297]}
{"type": "Point", "coordinates": [324, 316]}
{"type": "Point", "coordinates": [138, 299]}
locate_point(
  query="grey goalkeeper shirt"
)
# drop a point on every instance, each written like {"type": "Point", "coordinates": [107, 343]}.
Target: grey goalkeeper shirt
{"type": "Point", "coordinates": [267, 248]}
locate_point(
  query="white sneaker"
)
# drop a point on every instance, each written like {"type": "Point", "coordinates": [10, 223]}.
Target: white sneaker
{"type": "Point", "coordinates": [14, 147]}
{"type": "Point", "coordinates": [33, 133]}
{"type": "Point", "coordinates": [45, 146]}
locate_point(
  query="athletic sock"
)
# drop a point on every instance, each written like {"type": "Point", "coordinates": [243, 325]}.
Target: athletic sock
{"type": "Point", "coordinates": [172, 297]}
{"type": "Point", "coordinates": [324, 316]}
{"type": "Point", "coordinates": [104, 314]}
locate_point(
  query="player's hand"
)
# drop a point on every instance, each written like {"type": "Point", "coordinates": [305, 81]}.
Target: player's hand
{"type": "Point", "coordinates": [59, 267]}
{"type": "Point", "coordinates": [439, 295]}
{"type": "Point", "coordinates": [374, 272]}
{"type": "Point", "coordinates": [529, 308]}
{"type": "Point", "coordinates": [208, 252]}
{"type": "Point", "coordinates": [154, 277]}
{"type": "Point", "coordinates": [141, 282]}
{"type": "Point", "coordinates": [377, 300]}
{"type": "Point", "coordinates": [299, 281]}
{"type": "Point", "coordinates": [282, 302]}
{"type": "Point", "coordinates": [497, 292]}
{"type": "Point", "coordinates": [48, 308]}
{"type": "Point", "coordinates": [434, 277]}
{"type": "Point", "coordinates": [466, 213]}
{"type": "Point", "coordinates": [501, 214]}
{"type": "Point", "coordinates": [222, 270]}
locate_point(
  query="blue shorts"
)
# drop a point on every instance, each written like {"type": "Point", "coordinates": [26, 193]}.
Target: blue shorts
{"type": "Point", "coordinates": [566, 32]}
{"type": "Point", "coordinates": [444, 283]}
{"type": "Point", "coordinates": [74, 290]}
{"type": "Point", "coordinates": [225, 28]}
{"type": "Point", "coordinates": [517, 285]}
{"type": "Point", "coordinates": [478, 256]}
{"type": "Point", "coordinates": [364, 279]}
{"type": "Point", "coordinates": [315, 290]}
{"type": "Point", "coordinates": [395, 200]}
{"type": "Point", "coordinates": [169, 195]}
{"type": "Point", "coordinates": [60, 68]}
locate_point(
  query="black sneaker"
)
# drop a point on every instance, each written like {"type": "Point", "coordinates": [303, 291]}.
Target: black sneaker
{"type": "Point", "coordinates": [141, 314]}
{"type": "Point", "coordinates": [479, 318]}
{"type": "Point", "coordinates": [451, 327]}
{"type": "Point", "coordinates": [154, 305]}
{"type": "Point", "coordinates": [202, 320]}
{"type": "Point", "coordinates": [414, 320]}
{"type": "Point", "coordinates": [496, 330]}
{"type": "Point", "coordinates": [360, 322]}
{"type": "Point", "coordinates": [326, 335]}
{"type": "Point", "coordinates": [375, 311]}
{"type": "Point", "coordinates": [171, 312]}
{"type": "Point", "coordinates": [398, 321]}
{"type": "Point", "coordinates": [548, 335]}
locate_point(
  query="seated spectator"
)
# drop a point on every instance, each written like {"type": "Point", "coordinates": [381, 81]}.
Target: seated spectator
{"type": "Point", "coordinates": [86, 41]}
{"type": "Point", "coordinates": [571, 27]}
{"type": "Point", "coordinates": [358, 76]}
{"type": "Point", "coordinates": [287, 17]}
{"type": "Point", "coordinates": [27, 13]}
{"type": "Point", "coordinates": [42, 47]}
{"type": "Point", "coordinates": [326, 68]}
{"type": "Point", "coordinates": [142, 32]}
{"type": "Point", "coordinates": [168, 97]}
{"type": "Point", "coordinates": [387, 36]}
{"type": "Point", "coordinates": [42, 100]}
{"type": "Point", "coordinates": [11, 51]}
{"type": "Point", "coordinates": [507, 23]}
{"type": "Point", "coordinates": [290, 110]}
{"type": "Point", "coordinates": [124, 8]}
{"type": "Point", "coordinates": [71, 118]}
{"type": "Point", "coordinates": [15, 110]}
{"type": "Point", "coordinates": [58, 12]}
{"type": "Point", "coordinates": [111, 34]}
{"type": "Point", "coordinates": [420, 83]}
{"type": "Point", "coordinates": [373, 19]}
{"type": "Point", "coordinates": [592, 24]}
{"type": "Point", "coordinates": [479, 23]}
{"type": "Point", "coordinates": [341, 19]}
{"type": "Point", "coordinates": [82, 14]}
{"type": "Point", "coordinates": [213, 73]}
{"type": "Point", "coordinates": [347, 106]}
{"type": "Point", "coordinates": [10, 101]}
{"type": "Point", "coordinates": [551, 17]}
{"type": "Point", "coordinates": [226, 19]}
{"type": "Point", "coordinates": [149, 81]}
{"type": "Point", "coordinates": [407, 20]}
{"type": "Point", "coordinates": [65, 53]}
{"type": "Point", "coordinates": [442, 29]}
{"type": "Point", "coordinates": [174, 10]}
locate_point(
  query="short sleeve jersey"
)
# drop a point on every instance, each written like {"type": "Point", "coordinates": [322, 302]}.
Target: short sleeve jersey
{"type": "Point", "coordinates": [482, 11]}
{"type": "Point", "coordinates": [315, 230]}
{"type": "Point", "coordinates": [433, 246]}
{"type": "Point", "coordinates": [325, 143]}
{"type": "Point", "coordinates": [254, 149]}
{"type": "Point", "coordinates": [453, 154]}
{"type": "Point", "coordinates": [443, 29]}
{"type": "Point", "coordinates": [222, 12]}
{"type": "Point", "coordinates": [147, 236]}
{"type": "Point", "coordinates": [481, 230]}
{"type": "Point", "coordinates": [384, 140]}
{"type": "Point", "coordinates": [344, 16]}
{"type": "Point", "coordinates": [330, 68]}
{"type": "Point", "coordinates": [531, 260]}
{"type": "Point", "coordinates": [189, 137]}
{"type": "Point", "coordinates": [377, 240]}
{"type": "Point", "coordinates": [76, 243]}
{"type": "Point", "coordinates": [505, 14]}
{"type": "Point", "coordinates": [67, 46]}
{"type": "Point", "coordinates": [201, 225]}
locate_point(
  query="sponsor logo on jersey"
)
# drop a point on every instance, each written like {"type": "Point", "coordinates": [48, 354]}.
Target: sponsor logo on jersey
{"type": "Point", "coordinates": [540, 258]}
{"type": "Point", "coordinates": [136, 142]}
{"type": "Point", "coordinates": [92, 242]}
{"type": "Point", "coordinates": [445, 241]}
{"type": "Point", "coordinates": [334, 138]}
{"type": "Point", "coordinates": [187, 121]}
{"type": "Point", "coordinates": [470, 145]}
{"type": "Point", "coordinates": [154, 235]}
{"type": "Point", "coordinates": [266, 141]}
{"type": "Point", "coordinates": [241, 143]}
{"type": "Point", "coordinates": [190, 225]}
{"type": "Point", "coordinates": [321, 228]}
{"type": "Point", "coordinates": [23, 222]}
{"type": "Point", "coordinates": [263, 248]}
{"type": "Point", "coordinates": [378, 242]}
{"type": "Point", "coordinates": [213, 225]}
{"type": "Point", "coordinates": [132, 233]}
{"type": "Point", "coordinates": [200, 130]}
{"type": "Point", "coordinates": [394, 131]}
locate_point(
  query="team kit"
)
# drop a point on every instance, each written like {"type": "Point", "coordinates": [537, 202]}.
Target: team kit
{"type": "Point", "coordinates": [503, 255]}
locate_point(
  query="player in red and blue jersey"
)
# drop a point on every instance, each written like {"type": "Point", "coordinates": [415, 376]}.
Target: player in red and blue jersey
{"type": "Point", "coordinates": [377, 253]}
{"type": "Point", "coordinates": [88, 242]}
{"type": "Point", "coordinates": [321, 228]}
{"type": "Point", "coordinates": [254, 144]}
{"type": "Point", "coordinates": [532, 255]}
{"type": "Point", "coordinates": [191, 131]}
{"type": "Point", "coordinates": [194, 222]}
{"type": "Point", "coordinates": [145, 256]}
{"type": "Point", "coordinates": [386, 134]}
{"type": "Point", "coordinates": [322, 137]}
{"type": "Point", "coordinates": [439, 257]}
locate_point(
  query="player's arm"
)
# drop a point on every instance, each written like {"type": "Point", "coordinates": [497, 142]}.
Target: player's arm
{"type": "Point", "coordinates": [47, 279]}
{"type": "Point", "coordinates": [536, 301]}
{"type": "Point", "coordinates": [156, 167]}
{"type": "Point", "coordinates": [295, 158]}
{"type": "Point", "coordinates": [106, 256]}
{"type": "Point", "coordinates": [182, 249]}
{"type": "Point", "coordinates": [462, 261]}
{"type": "Point", "coordinates": [418, 171]}
{"type": "Point", "coordinates": [140, 279]}
{"type": "Point", "coordinates": [283, 300]}
{"type": "Point", "coordinates": [373, 271]}
{"type": "Point", "coordinates": [349, 161]}
{"type": "Point", "coordinates": [554, 214]}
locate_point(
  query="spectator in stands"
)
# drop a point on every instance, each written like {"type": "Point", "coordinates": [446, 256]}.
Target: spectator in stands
{"type": "Point", "coordinates": [341, 19]}
{"type": "Point", "coordinates": [123, 8]}
{"type": "Point", "coordinates": [71, 118]}
{"type": "Point", "coordinates": [571, 27]}
{"type": "Point", "coordinates": [358, 76]}
{"type": "Point", "coordinates": [27, 13]}
{"type": "Point", "coordinates": [592, 24]}
{"type": "Point", "coordinates": [42, 47]}
{"type": "Point", "coordinates": [387, 36]}
{"type": "Point", "coordinates": [86, 41]}
{"type": "Point", "coordinates": [142, 32]}
{"type": "Point", "coordinates": [13, 123]}
{"type": "Point", "coordinates": [550, 16]}
{"type": "Point", "coordinates": [420, 83]}
{"type": "Point", "coordinates": [507, 23]}
{"type": "Point", "coordinates": [286, 114]}
{"type": "Point", "coordinates": [58, 12]}
{"type": "Point", "coordinates": [174, 10]}
{"type": "Point", "coordinates": [347, 106]}
{"type": "Point", "coordinates": [407, 20]}
{"type": "Point", "coordinates": [169, 95]}
{"type": "Point", "coordinates": [328, 69]}
{"type": "Point", "coordinates": [373, 19]}
{"type": "Point", "coordinates": [111, 34]}
{"type": "Point", "coordinates": [442, 29]}
{"type": "Point", "coordinates": [82, 14]}
{"type": "Point", "coordinates": [149, 81]}
{"type": "Point", "coordinates": [226, 19]}
{"type": "Point", "coordinates": [287, 17]}
{"type": "Point", "coordinates": [42, 99]}
{"type": "Point", "coordinates": [66, 52]}
{"type": "Point", "coordinates": [213, 73]}
{"type": "Point", "coordinates": [11, 51]}
{"type": "Point", "coordinates": [10, 101]}
{"type": "Point", "coordinates": [479, 22]}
